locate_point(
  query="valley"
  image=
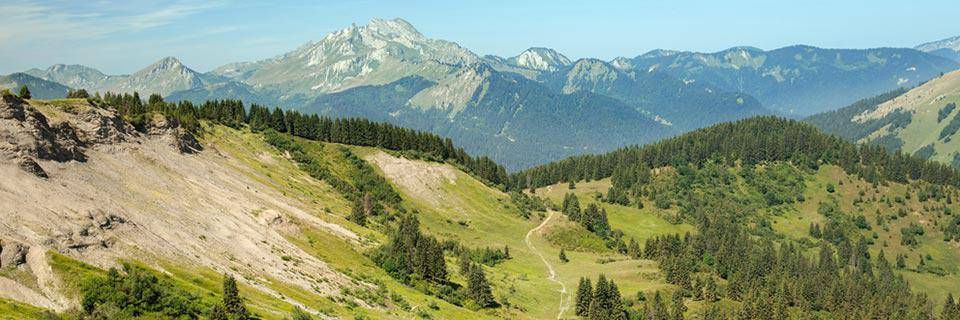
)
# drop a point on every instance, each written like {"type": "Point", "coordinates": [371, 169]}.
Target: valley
{"type": "Point", "coordinates": [637, 161]}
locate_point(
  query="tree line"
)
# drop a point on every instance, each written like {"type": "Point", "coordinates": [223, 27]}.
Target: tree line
{"type": "Point", "coordinates": [749, 141]}
{"type": "Point", "coordinates": [352, 131]}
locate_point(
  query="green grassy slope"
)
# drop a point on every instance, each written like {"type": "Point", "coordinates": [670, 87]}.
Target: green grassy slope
{"type": "Point", "coordinates": [457, 206]}
{"type": "Point", "coordinates": [917, 121]}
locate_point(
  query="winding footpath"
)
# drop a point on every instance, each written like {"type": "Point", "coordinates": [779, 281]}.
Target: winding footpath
{"type": "Point", "coordinates": [564, 298]}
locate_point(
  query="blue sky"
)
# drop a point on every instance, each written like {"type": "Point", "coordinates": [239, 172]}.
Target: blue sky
{"type": "Point", "coordinates": [123, 36]}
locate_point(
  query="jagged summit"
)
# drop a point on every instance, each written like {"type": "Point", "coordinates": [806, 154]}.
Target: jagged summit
{"type": "Point", "coordinates": [380, 52]}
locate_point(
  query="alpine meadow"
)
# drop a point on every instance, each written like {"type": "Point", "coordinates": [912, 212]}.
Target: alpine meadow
{"type": "Point", "coordinates": [612, 160]}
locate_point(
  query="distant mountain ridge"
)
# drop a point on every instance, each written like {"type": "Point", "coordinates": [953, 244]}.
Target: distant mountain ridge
{"type": "Point", "coordinates": [163, 77]}
{"type": "Point", "coordinates": [948, 48]}
{"type": "Point", "coordinates": [449, 90]}
{"type": "Point", "coordinates": [800, 80]}
{"type": "Point", "coordinates": [39, 88]}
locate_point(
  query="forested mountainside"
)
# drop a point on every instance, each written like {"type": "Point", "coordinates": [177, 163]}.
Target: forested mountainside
{"type": "Point", "coordinates": [685, 105]}
{"type": "Point", "coordinates": [793, 221]}
{"type": "Point", "coordinates": [919, 121]}
{"type": "Point", "coordinates": [514, 120]}
{"type": "Point", "coordinates": [235, 211]}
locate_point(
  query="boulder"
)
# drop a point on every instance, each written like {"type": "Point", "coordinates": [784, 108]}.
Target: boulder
{"type": "Point", "coordinates": [12, 254]}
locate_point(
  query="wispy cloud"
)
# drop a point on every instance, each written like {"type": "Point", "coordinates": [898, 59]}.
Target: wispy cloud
{"type": "Point", "coordinates": [34, 20]}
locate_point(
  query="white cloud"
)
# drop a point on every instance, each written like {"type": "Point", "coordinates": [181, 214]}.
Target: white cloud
{"type": "Point", "coordinates": [33, 21]}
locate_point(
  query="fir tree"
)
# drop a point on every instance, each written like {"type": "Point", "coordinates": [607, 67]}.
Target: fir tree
{"type": "Point", "coordinates": [615, 303]}
{"type": "Point", "coordinates": [951, 310]}
{"type": "Point", "coordinates": [358, 213]}
{"type": "Point", "coordinates": [710, 290]}
{"type": "Point", "coordinates": [598, 303]}
{"type": "Point", "coordinates": [478, 289]}
{"type": "Point", "coordinates": [656, 309]}
{"type": "Point", "coordinates": [232, 302]}
{"type": "Point", "coordinates": [217, 312]}
{"type": "Point", "coordinates": [584, 297]}
{"type": "Point", "coordinates": [678, 307]}
{"type": "Point", "coordinates": [464, 263]}
{"type": "Point", "coordinates": [633, 249]}
{"type": "Point", "coordinates": [24, 92]}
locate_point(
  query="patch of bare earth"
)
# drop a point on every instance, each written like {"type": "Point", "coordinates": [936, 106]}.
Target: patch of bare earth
{"type": "Point", "coordinates": [142, 199]}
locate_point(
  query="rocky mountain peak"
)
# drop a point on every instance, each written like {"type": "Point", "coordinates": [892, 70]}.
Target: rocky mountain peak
{"type": "Point", "coordinates": [622, 63]}
{"type": "Point", "coordinates": [396, 27]}
{"type": "Point", "coordinates": [952, 43]}
{"type": "Point", "coordinates": [167, 63]}
{"type": "Point", "coordinates": [542, 59]}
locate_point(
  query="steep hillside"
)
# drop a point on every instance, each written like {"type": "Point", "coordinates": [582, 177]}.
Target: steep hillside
{"type": "Point", "coordinates": [801, 80]}
{"type": "Point", "coordinates": [920, 121]}
{"type": "Point", "coordinates": [90, 192]}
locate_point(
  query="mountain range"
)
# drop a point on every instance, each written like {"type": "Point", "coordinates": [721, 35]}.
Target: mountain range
{"type": "Point", "coordinates": [536, 106]}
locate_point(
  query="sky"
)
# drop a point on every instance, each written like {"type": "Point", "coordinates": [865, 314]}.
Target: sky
{"type": "Point", "coordinates": [120, 37]}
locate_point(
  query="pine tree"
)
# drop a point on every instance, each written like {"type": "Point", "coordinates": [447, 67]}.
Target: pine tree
{"type": "Point", "coordinates": [563, 256]}
{"type": "Point", "coordinates": [710, 290]}
{"type": "Point", "coordinates": [633, 249]}
{"type": "Point", "coordinates": [598, 303]}
{"type": "Point", "coordinates": [217, 312]}
{"type": "Point", "coordinates": [24, 92]}
{"type": "Point", "coordinates": [951, 310]}
{"type": "Point", "coordinates": [232, 302]}
{"type": "Point", "coordinates": [714, 312]}
{"type": "Point", "coordinates": [656, 309]}
{"type": "Point", "coordinates": [464, 263]}
{"type": "Point", "coordinates": [614, 303]}
{"type": "Point", "coordinates": [358, 213]}
{"type": "Point", "coordinates": [584, 296]}
{"type": "Point", "coordinates": [678, 307]}
{"type": "Point", "coordinates": [478, 289]}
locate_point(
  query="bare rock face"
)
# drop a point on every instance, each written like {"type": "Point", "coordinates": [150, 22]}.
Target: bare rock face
{"type": "Point", "coordinates": [100, 125]}
{"type": "Point", "coordinates": [12, 254]}
{"type": "Point", "coordinates": [179, 138]}
{"type": "Point", "coordinates": [92, 232]}
{"type": "Point", "coordinates": [31, 166]}
{"type": "Point", "coordinates": [26, 134]}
